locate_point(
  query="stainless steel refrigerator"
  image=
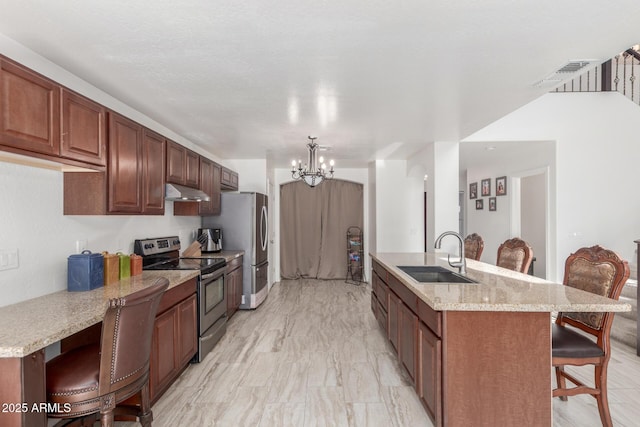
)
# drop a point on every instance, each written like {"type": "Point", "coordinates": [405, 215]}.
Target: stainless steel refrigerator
{"type": "Point", "coordinates": [243, 220]}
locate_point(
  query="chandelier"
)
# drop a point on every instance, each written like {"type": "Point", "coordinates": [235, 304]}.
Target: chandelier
{"type": "Point", "coordinates": [311, 173]}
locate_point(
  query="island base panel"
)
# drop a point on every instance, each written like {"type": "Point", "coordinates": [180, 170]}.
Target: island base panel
{"type": "Point", "coordinates": [496, 368]}
{"type": "Point", "coordinates": [22, 383]}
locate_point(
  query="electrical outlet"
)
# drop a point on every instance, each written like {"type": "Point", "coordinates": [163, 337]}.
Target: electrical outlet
{"type": "Point", "coordinates": [9, 259]}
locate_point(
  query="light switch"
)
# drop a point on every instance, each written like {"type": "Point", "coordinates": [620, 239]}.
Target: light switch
{"type": "Point", "coordinates": [8, 259]}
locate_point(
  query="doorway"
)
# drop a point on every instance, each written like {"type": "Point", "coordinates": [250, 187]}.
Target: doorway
{"type": "Point", "coordinates": [313, 227]}
{"type": "Point", "coordinates": [531, 216]}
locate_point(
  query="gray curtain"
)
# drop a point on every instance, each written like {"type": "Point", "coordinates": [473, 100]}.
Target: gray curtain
{"type": "Point", "coordinates": [313, 227]}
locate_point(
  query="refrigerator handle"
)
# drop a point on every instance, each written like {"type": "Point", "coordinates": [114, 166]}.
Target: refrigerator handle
{"type": "Point", "coordinates": [263, 228]}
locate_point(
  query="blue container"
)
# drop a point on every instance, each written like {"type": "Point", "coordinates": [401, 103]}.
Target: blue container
{"type": "Point", "coordinates": [85, 271]}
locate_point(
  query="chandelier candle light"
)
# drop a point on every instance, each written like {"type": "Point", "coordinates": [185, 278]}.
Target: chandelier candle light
{"type": "Point", "coordinates": [311, 173]}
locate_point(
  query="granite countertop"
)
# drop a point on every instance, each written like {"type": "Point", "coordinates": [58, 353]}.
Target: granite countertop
{"type": "Point", "coordinates": [498, 289]}
{"type": "Point", "coordinates": [33, 324]}
{"type": "Point", "coordinates": [227, 255]}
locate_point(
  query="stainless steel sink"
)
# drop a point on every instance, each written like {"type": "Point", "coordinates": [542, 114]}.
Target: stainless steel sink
{"type": "Point", "coordinates": [434, 274]}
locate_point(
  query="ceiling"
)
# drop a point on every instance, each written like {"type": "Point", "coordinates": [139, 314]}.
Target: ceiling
{"type": "Point", "coordinates": [370, 78]}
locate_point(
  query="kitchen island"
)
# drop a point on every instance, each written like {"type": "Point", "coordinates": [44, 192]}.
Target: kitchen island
{"type": "Point", "coordinates": [478, 353]}
{"type": "Point", "coordinates": [26, 328]}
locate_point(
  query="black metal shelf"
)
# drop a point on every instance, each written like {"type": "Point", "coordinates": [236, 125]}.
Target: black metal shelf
{"type": "Point", "coordinates": [355, 256]}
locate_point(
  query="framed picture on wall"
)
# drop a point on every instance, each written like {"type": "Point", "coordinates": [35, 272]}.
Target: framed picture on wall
{"type": "Point", "coordinates": [473, 190]}
{"type": "Point", "coordinates": [501, 186]}
{"type": "Point", "coordinates": [492, 203]}
{"type": "Point", "coordinates": [479, 204]}
{"type": "Point", "coordinates": [486, 187]}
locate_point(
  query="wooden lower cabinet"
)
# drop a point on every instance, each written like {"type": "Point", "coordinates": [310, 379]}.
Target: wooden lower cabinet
{"type": "Point", "coordinates": [419, 349]}
{"type": "Point", "coordinates": [408, 336]}
{"type": "Point", "coordinates": [429, 381]}
{"type": "Point", "coordinates": [233, 285]}
{"type": "Point", "coordinates": [175, 341]}
{"type": "Point", "coordinates": [463, 363]}
{"type": "Point", "coordinates": [394, 303]}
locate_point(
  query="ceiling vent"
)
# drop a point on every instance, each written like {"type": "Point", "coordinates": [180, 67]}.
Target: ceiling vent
{"type": "Point", "coordinates": [566, 72]}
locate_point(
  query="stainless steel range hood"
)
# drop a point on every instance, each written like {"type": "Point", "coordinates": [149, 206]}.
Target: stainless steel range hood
{"type": "Point", "coordinates": [182, 193]}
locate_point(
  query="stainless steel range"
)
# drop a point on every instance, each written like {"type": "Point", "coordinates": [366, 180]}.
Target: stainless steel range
{"type": "Point", "coordinates": [163, 254]}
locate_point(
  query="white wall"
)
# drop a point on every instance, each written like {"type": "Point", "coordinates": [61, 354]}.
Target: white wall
{"type": "Point", "coordinates": [399, 211]}
{"type": "Point", "coordinates": [282, 176]}
{"type": "Point", "coordinates": [596, 157]}
{"type": "Point", "coordinates": [31, 221]}
{"type": "Point", "coordinates": [252, 174]}
{"type": "Point", "coordinates": [439, 161]}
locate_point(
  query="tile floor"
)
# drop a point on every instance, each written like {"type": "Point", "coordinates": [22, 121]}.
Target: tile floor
{"type": "Point", "coordinates": [313, 355]}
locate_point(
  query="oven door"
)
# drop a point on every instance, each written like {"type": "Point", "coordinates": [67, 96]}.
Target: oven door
{"type": "Point", "coordinates": [213, 303]}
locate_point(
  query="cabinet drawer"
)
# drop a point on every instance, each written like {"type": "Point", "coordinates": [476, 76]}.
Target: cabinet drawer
{"type": "Point", "coordinates": [430, 317]}
{"type": "Point", "coordinates": [380, 271]}
{"type": "Point", "coordinates": [408, 298]}
{"type": "Point", "coordinates": [381, 315]}
{"type": "Point", "coordinates": [380, 289]}
{"type": "Point", "coordinates": [383, 295]}
{"type": "Point", "coordinates": [176, 294]}
{"type": "Point", "coordinates": [234, 263]}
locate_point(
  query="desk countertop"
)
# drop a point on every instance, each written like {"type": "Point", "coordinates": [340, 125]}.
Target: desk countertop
{"type": "Point", "coordinates": [33, 324]}
{"type": "Point", "coordinates": [498, 289]}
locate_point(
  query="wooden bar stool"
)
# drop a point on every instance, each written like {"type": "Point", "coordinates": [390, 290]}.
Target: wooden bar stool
{"type": "Point", "coordinates": [602, 272]}
{"type": "Point", "coordinates": [88, 382]}
{"type": "Point", "coordinates": [473, 246]}
{"type": "Point", "coordinates": [515, 254]}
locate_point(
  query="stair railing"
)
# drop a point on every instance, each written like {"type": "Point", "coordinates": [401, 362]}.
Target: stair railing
{"type": "Point", "coordinates": [620, 74]}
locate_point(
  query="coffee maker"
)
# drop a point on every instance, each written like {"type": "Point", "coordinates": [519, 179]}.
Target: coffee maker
{"type": "Point", "coordinates": [212, 240]}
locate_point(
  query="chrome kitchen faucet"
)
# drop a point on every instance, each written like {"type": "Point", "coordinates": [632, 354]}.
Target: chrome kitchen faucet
{"type": "Point", "coordinates": [462, 264]}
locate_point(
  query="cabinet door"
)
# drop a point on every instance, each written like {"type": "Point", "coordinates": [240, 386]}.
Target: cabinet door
{"type": "Point", "coordinates": [216, 191]}
{"type": "Point", "coordinates": [238, 283]}
{"type": "Point", "coordinates": [408, 327]}
{"type": "Point", "coordinates": [230, 290]}
{"type": "Point", "coordinates": [176, 163]}
{"type": "Point", "coordinates": [206, 185]}
{"type": "Point", "coordinates": [164, 362]}
{"type": "Point", "coordinates": [192, 175]}
{"type": "Point", "coordinates": [84, 129]}
{"type": "Point", "coordinates": [429, 381]}
{"type": "Point", "coordinates": [125, 165]}
{"type": "Point", "coordinates": [229, 179]}
{"type": "Point", "coordinates": [153, 165]}
{"type": "Point", "coordinates": [29, 110]}
{"type": "Point", "coordinates": [188, 330]}
{"type": "Point", "coordinates": [392, 319]}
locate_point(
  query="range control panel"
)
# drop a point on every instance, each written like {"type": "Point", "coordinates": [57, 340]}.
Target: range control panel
{"type": "Point", "coordinates": [156, 246]}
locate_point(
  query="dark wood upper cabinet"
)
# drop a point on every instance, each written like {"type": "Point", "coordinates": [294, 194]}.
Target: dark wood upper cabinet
{"type": "Point", "coordinates": [84, 129]}
{"type": "Point", "coordinates": [153, 167]}
{"type": "Point", "coordinates": [210, 184]}
{"type": "Point", "coordinates": [176, 163]}
{"type": "Point", "coordinates": [216, 191]}
{"type": "Point", "coordinates": [192, 174]}
{"type": "Point", "coordinates": [183, 165]}
{"type": "Point", "coordinates": [125, 165]}
{"type": "Point", "coordinates": [208, 171]}
{"type": "Point", "coordinates": [134, 180]}
{"type": "Point", "coordinates": [228, 180]}
{"type": "Point", "coordinates": [29, 110]}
